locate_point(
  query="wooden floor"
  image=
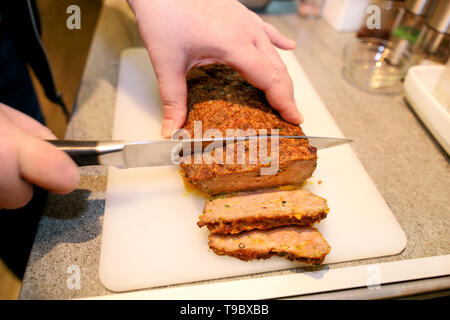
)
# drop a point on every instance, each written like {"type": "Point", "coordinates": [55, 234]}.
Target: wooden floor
{"type": "Point", "coordinates": [9, 284]}
{"type": "Point", "coordinates": [67, 51]}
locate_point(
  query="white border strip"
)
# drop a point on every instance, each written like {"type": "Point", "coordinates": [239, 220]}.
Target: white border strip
{"type": "Point", "coordinates": [300, 283]}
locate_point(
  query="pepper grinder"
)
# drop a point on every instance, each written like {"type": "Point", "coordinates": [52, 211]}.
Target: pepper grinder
{"type": "Point", "coordinates": [407, 26]}
{"type": "Point", "coordinates": [433, 43]}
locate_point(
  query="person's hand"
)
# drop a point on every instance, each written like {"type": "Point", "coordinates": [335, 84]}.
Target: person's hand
{"type": "Point", "coordinates": [181, 34]}
{"type": "Point", "coordinates": [25, 159]}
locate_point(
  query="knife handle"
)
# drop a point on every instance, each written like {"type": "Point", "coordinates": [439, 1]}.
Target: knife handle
{"type": "Point", "coordinates": [84, 153]}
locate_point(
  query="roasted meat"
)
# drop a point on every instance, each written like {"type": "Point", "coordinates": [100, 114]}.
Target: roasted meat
{"type": "Point", "coordinates": [221, 99]}
{"type": "Point", "coordinates": [262, 210]}
{"type": "Point", "coordinates": [303, 244]}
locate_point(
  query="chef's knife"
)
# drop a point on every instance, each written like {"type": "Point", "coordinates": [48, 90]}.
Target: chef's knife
{"type": "Point", "coordinates": [123, 154]}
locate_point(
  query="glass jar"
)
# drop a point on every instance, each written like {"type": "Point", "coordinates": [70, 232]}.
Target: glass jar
{"type": "Point", "coordinates": [366, 66]}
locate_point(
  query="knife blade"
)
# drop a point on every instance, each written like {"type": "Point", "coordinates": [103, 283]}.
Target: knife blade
{"type": "Point", "coordinates": [123, 154]}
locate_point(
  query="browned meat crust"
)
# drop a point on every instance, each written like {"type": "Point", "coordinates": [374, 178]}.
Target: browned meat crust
{"type": "Point", "coordinates": [236, 226]}
{"type": "Point", "coordinates": [220, 98]}
{"type": "Point", "coordinates": [303, 244]}
{"type": "Point", "coordinates": [248, 255]}
{"type": "Point", "coordinates": [262, 210]}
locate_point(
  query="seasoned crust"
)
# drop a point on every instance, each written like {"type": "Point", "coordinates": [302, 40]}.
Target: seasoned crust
{"type": "Point", "coordinates": [290, 150]}
{"type": "Point", "coordinates": [223, 114]}
{"type": "Point", "coordinates": [222, 99]}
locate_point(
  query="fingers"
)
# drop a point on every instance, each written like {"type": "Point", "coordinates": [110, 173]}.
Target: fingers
{"type": "Point", "coordinates": [268, 50]}
{"type": "Point", "coordinates": [173, 92]}
{"type": "Point", "coordinates": [45, 166]}
{"type": "Point", "coordinates": [258, 69]}
{"type": "Point", "coordinates": [39, 162]}
{"type": "Point", "coordinates": [14, 191]}
{"type": "Point", "coordinates": [274, 35]}
{"type": "Point", "coordinates": [26, 160]}
{"type": "Point", "coordinates": [26, 123]}
{"type": "Point", "coordinates": [277, 38]}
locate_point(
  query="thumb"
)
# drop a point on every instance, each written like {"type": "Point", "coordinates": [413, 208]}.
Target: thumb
{"type": "Point", "coordinates": [44, 165]}
{"type": "Point", "coordinates": [173, 92]}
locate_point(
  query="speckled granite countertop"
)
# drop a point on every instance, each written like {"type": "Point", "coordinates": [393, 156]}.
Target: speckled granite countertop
{"type": "Point", "coordinates": [406, 164]}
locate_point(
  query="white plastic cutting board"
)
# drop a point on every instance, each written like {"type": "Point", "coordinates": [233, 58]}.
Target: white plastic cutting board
{"type": "Point", "coordinates": [150, 236]}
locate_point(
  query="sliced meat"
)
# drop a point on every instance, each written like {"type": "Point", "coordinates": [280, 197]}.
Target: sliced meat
{"type": "Point", "coordinates": [262, 210]}
{"type": "Point", "coordinates": [221, 99]}
{"type": "Point", "coordinates": [303, 244]}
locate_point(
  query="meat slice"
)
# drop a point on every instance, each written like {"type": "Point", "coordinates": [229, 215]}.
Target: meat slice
{"type": "Point", "coordinates": [303, 244]}
{"type": "Point", "coordinates": [221, 99]}
{"type": "Point", "coordinates": [262, 210]}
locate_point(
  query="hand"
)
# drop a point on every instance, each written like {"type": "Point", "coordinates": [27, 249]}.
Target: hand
{"type": "Point", "coordinates": [181, 34]}
{"type": "Point", "coordinates": [25, 159]}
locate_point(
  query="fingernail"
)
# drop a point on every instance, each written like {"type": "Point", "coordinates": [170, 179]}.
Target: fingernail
{"type": "Point", "coordinates": [167, 128]}
{"type": "Point", "coordinates": [300, 118]}
{"type": "Point", "coordinates": [293, 43]}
